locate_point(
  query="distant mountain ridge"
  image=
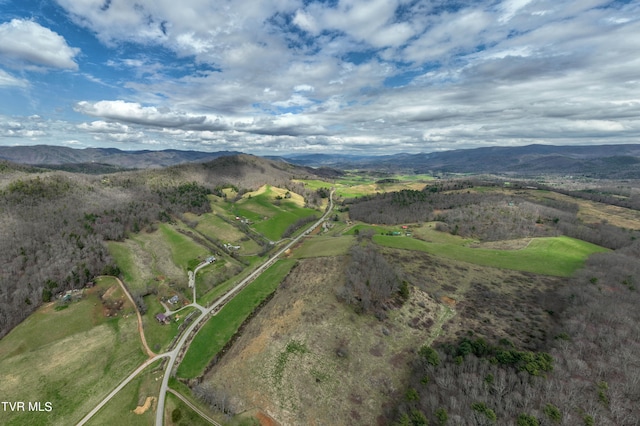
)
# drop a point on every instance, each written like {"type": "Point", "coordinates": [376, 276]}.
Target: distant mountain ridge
{"type": "Point", "coordinates": [597, 161]}
{"type": "Point", "coordinates": [48, 155]}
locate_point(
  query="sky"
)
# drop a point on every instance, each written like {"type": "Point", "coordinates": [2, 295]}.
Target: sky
{"type": "Point", "coordinates": [332, 76]}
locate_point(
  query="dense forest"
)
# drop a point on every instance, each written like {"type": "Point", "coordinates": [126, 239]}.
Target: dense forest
{"type": "Point", "coordinates": [53, 224]}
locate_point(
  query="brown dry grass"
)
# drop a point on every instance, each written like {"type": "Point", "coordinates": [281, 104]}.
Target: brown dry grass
{"type": "Point", "coordinates": [319, 386]}
{"type": "Point", "coordinates": [594, 212]}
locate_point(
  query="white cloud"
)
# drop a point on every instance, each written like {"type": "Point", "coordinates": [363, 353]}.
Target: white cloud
{"type": "Point", "coordinates": [133, 112]}
{"type": "Point", "coordinates": [510, 8]}
{"type": "Point", "coordinates": [304, 88]}
{"type": "Point", "coordinates": [7, 80]}
{"type": "Point", "coordinates": [356, 75]}
{"type": "Point", "coordinates": [28, 44]}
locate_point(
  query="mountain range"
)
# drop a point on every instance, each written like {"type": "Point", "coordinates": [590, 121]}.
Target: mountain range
{"type": "Point", "coordinates": [596, 161]}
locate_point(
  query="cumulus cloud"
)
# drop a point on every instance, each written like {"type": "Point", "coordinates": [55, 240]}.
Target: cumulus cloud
{"type": "Point", "coordinates": [355, 75]}
{"type": "Point", "coordinates": [133, 112]}
{"type": "Point", "coordinates": [27, 44]}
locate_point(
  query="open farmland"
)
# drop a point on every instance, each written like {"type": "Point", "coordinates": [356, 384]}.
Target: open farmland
{"type": "Point", "coordinates": [73, 364]}
{"type": "Point", "coordinates": [185, 252]}
{"type": "Point", "coordinates": [324, 246]}
{"type": "Point", "coordinates": [135, 404]}
{"type": "Point", "coordinates": [560, 256]}
{"type": "Point", "coordinates": [271, 216]}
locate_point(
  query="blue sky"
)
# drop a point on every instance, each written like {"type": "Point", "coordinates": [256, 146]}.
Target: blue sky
{"type": "Point", "coordinates": [289, 76]}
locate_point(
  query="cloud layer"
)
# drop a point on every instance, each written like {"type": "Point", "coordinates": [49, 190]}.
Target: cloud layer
{"type": "Point", "coordinates": [375, 76]}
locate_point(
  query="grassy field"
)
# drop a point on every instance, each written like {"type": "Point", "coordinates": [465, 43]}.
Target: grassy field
{"type": "Point", "coordinates": [71, 358]}
{"type": "Point", "coordinates": [212, 225]}
{"type": "Point", "coordinates": [559, 256]}
{"type": "Point", "coordinates": [351, 186]}
{"type": "Point", "coordinates": [269, 219]}
{"type": "Point", "coordinates": [222, 288]}
{"type": "Point", "coordinates": [179, 413]}
{"type": "Point", "coordinates": [120, 410]}
{"type": "Point", "coordinates": [147, 259]}
{"type": "Point", "coordinates": [220, 328]}
{"type": "Point", "coordinates": [323, 246]}
{"type": "Point", "coordinates": [125, 261]}
{"type": "Point", "coordinates": [186, 253]}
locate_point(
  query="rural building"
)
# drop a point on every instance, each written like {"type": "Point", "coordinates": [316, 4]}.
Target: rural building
{"type": "Point", "coordinates": [174, 299]}
{"type": "Point", "coordinates": [163, 319]}
{"type": "Point", "coordinates": [210, 259]}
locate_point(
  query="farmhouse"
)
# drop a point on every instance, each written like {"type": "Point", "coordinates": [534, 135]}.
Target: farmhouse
{"type": "Point", "coordinates": [174, 299]}
{"type": "Point", "coordinates": [163, 319]}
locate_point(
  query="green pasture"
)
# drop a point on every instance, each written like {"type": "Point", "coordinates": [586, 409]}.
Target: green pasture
{"type": "Point", "coordinates": [362, 227]}
{"type": "Point", "coordinates": [212, 225]}
{"type": "Point", "coordinates": [219, 329]}
{"type": "Point", "coordinates": [123, 255]}
{"type": "Point", "coordinates": [177, 410]}
{"type": "Point", "coordinates": [356, 179]}
{"type": "Point", "coordinates": [72, 358]}
{"type": "Point", "coordinates": [279, 217]}
{"type": "Point", "coordinates": [559, 256]}
{"type": "Point", "coordinates": [213, 275]}
{"type": "Point", "coordinates": [320, 246]}
{"type": "Point", "coordinates": [186, 253]}
{"type": "Point", "coordinates": [120, 409]}
{"type": "Point", "coordinates": [274, 227]}
{"type": "Point", "coordinates": [219, 290]}
{"type": "Point", "coordinates": [315, 184]}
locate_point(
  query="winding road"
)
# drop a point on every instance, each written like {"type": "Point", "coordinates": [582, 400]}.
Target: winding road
{"type": "Point", "coordinates": [195, 326]}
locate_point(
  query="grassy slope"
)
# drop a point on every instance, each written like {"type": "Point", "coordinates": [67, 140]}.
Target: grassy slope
{"type": "Point", "coordinates": [186, 253]}
{"type": "Point", "coordinates": [71, 358]}
{"type": "Point", "coordinates": [120, 409]}
{"type": "Point", "coordinates": [324, 246]}
{"type": "Point", "coordinates": [312, 384]}
{"type": "Point", "coordinates": [278, 217]}
{"type": "Point", "coordinates": [220, 328]}
{"type": "Point", "coordinates": [560, 256]}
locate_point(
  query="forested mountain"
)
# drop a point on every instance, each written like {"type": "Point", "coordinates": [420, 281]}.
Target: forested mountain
{"type": "Point", "coordinates": [47, 155]}
{"type": "Point", "coordinates": [598, 161]}
{"type": "Point", "coordinates": [53, 224]}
